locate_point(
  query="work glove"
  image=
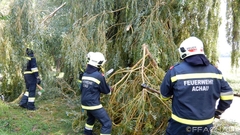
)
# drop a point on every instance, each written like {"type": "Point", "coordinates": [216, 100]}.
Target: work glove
{"type": "Point", "coordinates": [38, 80]}
{"type": "Point", "coordinates": [218, 113]}
{"type": "Point", "coordinates": [111, 88]}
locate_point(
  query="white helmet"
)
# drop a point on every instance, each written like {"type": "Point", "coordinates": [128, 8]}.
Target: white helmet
{"type": "Point", "coordinates": [96, 59]}
{"type": "Point", "coordinates": [190, 46]}
{"type": "Point", "coordinates": [89, 56]}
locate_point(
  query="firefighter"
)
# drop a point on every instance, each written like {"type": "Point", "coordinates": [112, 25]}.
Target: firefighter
{"type": "Point", "coordinates": [31, 77]}
{"type": "Point", "coordinates": [195, 87]}
{"type": "Point", "coordinates": [93, 84]}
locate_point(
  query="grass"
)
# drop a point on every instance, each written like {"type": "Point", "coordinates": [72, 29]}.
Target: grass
{"type": "Point", "coordinates": [223, 127]}
{"type": "Point", "coordinates": [233, 78]}
{"type": "Point", "coordinates": [232, 75]}
{"type": "Point", "coordinates": [52, 118]}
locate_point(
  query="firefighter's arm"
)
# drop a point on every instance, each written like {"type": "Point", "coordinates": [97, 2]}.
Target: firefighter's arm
{"type": "Point", "coordinates": [166, 87]}
{"type": "Point", "coordinates": [226, 97]}
{"type": "Point", "coordinates": [104, 87]}
{"type": "Point", "coordinates": [34, 67]}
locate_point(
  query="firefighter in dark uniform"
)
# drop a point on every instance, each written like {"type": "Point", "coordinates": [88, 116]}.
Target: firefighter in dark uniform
{"type": "Point", "coordinates": [194, 86]}
{"type": "Point", "coordinates": [31, 78]}
{"type": "Point", "coordinates": [93, 84]}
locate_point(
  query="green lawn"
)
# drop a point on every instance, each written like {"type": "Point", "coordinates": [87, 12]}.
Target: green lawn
{"type": "Point", "coordinates": [52, 118]}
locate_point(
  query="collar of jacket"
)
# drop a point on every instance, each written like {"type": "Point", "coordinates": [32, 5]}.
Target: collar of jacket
{"type": "Point", "coordinates": [90, 69]}
{"type": "Point", "coordinates": [30, 55]}
{"type": "Point", "coordinates": [197, 60]}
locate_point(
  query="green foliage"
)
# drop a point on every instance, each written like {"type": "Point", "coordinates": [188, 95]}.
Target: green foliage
{"type": "Point", "coordinates": [61, 37]}
{"type": "Point", "coordinates": [3, 17]}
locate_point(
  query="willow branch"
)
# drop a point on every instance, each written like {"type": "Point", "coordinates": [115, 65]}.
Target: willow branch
{"type": "Point", "coordinates": [53, 13]}
{"type": "Point", "coordinates": [150, 55]}
{"type": "Point", "coordinates": [143, 61]}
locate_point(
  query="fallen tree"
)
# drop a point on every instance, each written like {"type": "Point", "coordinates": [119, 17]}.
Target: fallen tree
{"type": "Point", "coordinates": [135, 110]}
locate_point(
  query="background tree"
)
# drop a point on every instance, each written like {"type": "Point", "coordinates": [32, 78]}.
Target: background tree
{"type": "Point", "coordinates": [232, 29]}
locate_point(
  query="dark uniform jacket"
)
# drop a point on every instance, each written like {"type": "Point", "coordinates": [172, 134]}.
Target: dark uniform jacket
{"type": "Point", "coordinates": [93, 84]}
{"type": "Point", "coordinates": [195, 86]}
{"type": "Point", "coordinates": [31, 66]}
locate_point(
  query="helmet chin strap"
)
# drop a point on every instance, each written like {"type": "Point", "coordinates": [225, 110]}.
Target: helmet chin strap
{"type": "Point", "coordinates": [102, 69]}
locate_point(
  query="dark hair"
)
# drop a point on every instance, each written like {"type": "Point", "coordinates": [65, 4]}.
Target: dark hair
{"type": "Point", "coordinates": [29, 51]}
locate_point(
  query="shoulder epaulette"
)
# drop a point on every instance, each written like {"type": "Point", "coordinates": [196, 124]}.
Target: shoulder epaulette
{"type": "Point", "coordinates": [173, 66]}
{"type": "Point", "coordinates": [28, 58]}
